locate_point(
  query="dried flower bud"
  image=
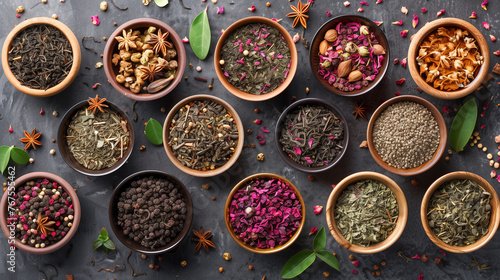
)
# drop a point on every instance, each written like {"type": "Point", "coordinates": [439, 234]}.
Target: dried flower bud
{"type": "Point", "coordinates": [363, 51]}
{"type": "Point", "coordinates": [364, 30]}
{"type": "Point", "coordinates": [351, 47]}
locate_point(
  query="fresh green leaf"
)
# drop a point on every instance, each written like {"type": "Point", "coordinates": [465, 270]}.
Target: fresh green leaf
{"type": "Point", "coordinates": [154, 132]}
{"type": "Point", "coordinates": [104, 234]}
{"type": "Point", "coordinates": [109, 244]}
{"type": "Point", "coordinates": [297, 264]}
{"type": "Point", "coordinates": [4, 157]}
{"type": "Point", "coordinates": [329, 258]}
{"type": "Point", "coordinates": [319, 240]}
{"type": "Point", "coordinates": [98, 243]}
{"type": "Point", "coordinates": [161, 3]}
{"type": "Point", "coordinates": [463, 125]}
{"type": "Point", "coordinates": [199, 35]}
{"type": "Point", "coordinates": [20, 156]}
{"type": "Point", "coordinates": [106, 250]}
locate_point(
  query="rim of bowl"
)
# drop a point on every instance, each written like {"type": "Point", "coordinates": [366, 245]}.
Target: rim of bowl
{"type": "Point", "coordinates": [402, 217]}
{"type": "Point", "coordinates": [112, 211]}
{"type": "Point", "coordinates": [68, 157]}
{"type": "Point", "coordinates": [109, 50]}
{"type": "Point", "coordinates": [443, 132]}
{"type": "Point", "coordinates": [194, 172]}
{"type": "Point", "coordinates": [309, 101]}
{"type": "Point", "coordinates": [76, 206]}
{"type": "Point", "coordinates": [494, 217]}
{"type": "Point", "coordinates": [427, 30]}
{"type": "Point", "coordinates": [248, 96]}
{"type": "Point", "coordinates": [278, 248]}
{"type": "Point", "coordinates": [313, 53]}
{"type": "Point", "coordinates": [75, 68]}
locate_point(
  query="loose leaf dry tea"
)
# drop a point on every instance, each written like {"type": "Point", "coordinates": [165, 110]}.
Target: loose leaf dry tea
{"type": "Point", "coordinates": [366, 213]}
{"type": "Point", "coordinates": [199, 35]}
{"type": "Point", "coordinates": [463, 125]}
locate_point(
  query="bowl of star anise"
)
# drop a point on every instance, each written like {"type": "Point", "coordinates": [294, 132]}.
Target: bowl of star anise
{"type": "Point", "coordinates": [144, 59]}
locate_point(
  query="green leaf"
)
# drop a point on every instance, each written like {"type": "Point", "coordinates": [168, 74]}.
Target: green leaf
{"type": "Point", "coordinates": [199, 35]}
{"type": "Point", "coordinates": [161, 3]}
{"type": "Point", "coordinates": [4, 157]}
{"type": "Point", "coordinates": [329, 258]}
{"type": "Point", "coordinates": [297, 264]}
{"type": "Point", "coordinates": [98, 243]}
{"type": "Point", "coordinates": [154, 132]}
{"type": "Point", "coordinates": [20, 156]}
{"type": "Point", "coordinates": [103, 235]}
{"type": "Point", "coordinates": [463, 125]}
{"type": "Point", "coordinates": [319, 240]}
{"type": "Point", "coordinates": [106, 250]}
{"type": "Point", "coordinates": [109, 244]}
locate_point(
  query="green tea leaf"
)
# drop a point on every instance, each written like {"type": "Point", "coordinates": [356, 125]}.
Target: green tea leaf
{"type": "Point", "coordinates": [463, 125]}
{"type": "Point", "coordinates": [329, 258]}
{"type": "Point", "coordinates": [154, 132]}
{"type": "Point", "coordinates": [98, 243]}
{"type": "Point", "coordinates": [20, 156]}
{"type": "Point", "coordinates": [319, 240]}
{"type": "Point", "coordinates": [199, 35]}
{"type": "Point", "coordinates": [103, 235]}
{"type": "Point", "coordinates": [161, 3]}
{"type": "Point", "coordinates": [109, 244]}
{"type": "Point", "coordinates": [4, 157]}
{"type": "Point", "coordinates": [297, 264]}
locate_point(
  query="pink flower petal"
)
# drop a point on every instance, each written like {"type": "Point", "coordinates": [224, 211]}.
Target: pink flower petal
{"type": "Point", "coordinates": [313, 230]}
{"type": "Point", "coordinates": [498, 178]}
{"type": "Point", "coordinates": [220, 10]}
{"type": "Point", "coordinates": [483, 5]}
{"type": "Point", "coordinates": [185, 40]}
{"type": "Point", "coordinates": [442, 252]}
{"type": "Point", "coordinates": [398, 93]}
{"type": "Point", "coordinates": [424, 10]}
{"type": "Point", "coordinates": [310, 142]}
{"type": "Point", "coordinates": [264, 129]}
{"type": "Point", "coordinates": [258, 121]}
{"type": "Point", "coordinates": [440, 13]}
{"type": "Point", "coordinates": [363, 3]}
{"type": "Point", "coordinates": [473, 15]}
{"type": "Point", "coordinates": [328, 13]}
{"type": "Point", "coordinates": [400, 81]}
{"type": "Point", "coordinates": [355, 263]}
{"type": "Point", "coordinates": [347, 3]}
{"type": "Point", "coordinates": [360, 10]}
{"type": "Point", "coordinates": [421, 277]}
{"type": "Point", "coordinates": [297, 150]}
{"type": "Point", "coordinates": [378, 23]}
{"type": "Point", "coordinates": [399, 22]}
{"type": "Point", "coordinates": [378, 2]}
{"type": "Point", "coordinates": [493, 38]}
{"type": "Point", "coordinates": [261, 139]}
{"type": "Point", "coordinates": [497, 52]}
{"type": "Point", "coordinates": [446, 109]}
{"type": "Point", "coordinates": [414, 22]}
{"type": "Point", "coordinates": [404, 33]}
{"type": "Point", "coordinates": [318, 209]}
{"type": "Point", "coordinates": [354, 271]}
{"type": "Point", "coordinates": [483, 126]}
{"type": "Point", "coordinates": [404, 62]}
{"type": "Point", "coordinates": [486, 25]}
{"type": "Point", "coordinates": [416, 257]}
{"type": "Point", "coordinates": [95, 20]}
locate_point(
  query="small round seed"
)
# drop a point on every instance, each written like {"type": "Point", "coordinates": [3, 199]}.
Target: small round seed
{"type": "Point", "coordinates": [496, 165]}
{"type": "Point", "coordinates": [480, 146]}
{"type": "Point", "coordinates": [489, 156]}
{"type": "Point", "coordinates": [485, 149]}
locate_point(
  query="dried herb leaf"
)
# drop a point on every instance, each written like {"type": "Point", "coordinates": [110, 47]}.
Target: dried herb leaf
{"type": "Point", "coordinates": [199, 35]}
{"type": "Point", "coordinates": [4, 157]}
{"type": "Point", "coordinates": [154, 132]}
{"type": "Point", "coordinates": [329, 258]}
{"type": "Point", "coordinates": [297, 264]}
{"type": "Point", "coordinates": [20, 156]}
{"type": "Point", "coordinates": [463, 125]}
{"type": "Point", "coordinates": [161, 3]}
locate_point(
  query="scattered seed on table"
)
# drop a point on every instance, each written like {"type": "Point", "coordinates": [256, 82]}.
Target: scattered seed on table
{"type": "Point", "coordinates": [496, 165]}
{"type": "Point", "coordinates": [485, 149]}
{"type": "Point", "coordinates": [480, 145]}
{"type": "Point", "coordinates": [492, 162]}
{"type": "Point", "coordinates": [489, 156]}
{"type": "Point", "coordinates": [447, 158]}
{"type": "Point", "coordinates": [450, 152]}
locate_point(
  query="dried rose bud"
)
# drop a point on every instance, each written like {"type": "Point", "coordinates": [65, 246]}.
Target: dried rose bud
{"type": "Point", "coordinates": [404, 33]}
{"type": "Point", "coordinates": [424, 10]}
{"type": "Point", "coordinates": [318, 209]}
{"type": "Point", "coordinates": [10, 129]}
{"type": "Point", "coordinates": [364, 30]}
{"type": "Point", "coordinates": [378, 2]}
{"type": "Point", "coordinates": [400, 81]}
{"type": "Point", "coordinates": [473, 15]}
{"type": "Point", "coordinates": [313, 230]}
{"type": "Point", "coordinates": [378, 23]}
{"type": "Point", "coordinates": [493, 38]}
{"type": "Point", "coordinates": [220, 10]}
{"type": "Point", "coordinates": [440, 13]}
{"type": "Point", "coordinates": [414, 22]}
{"type": "Point", "coordinates": [404, 10]}
{"type": "Point", "coordinates": [493, 174]}
{"type": "Point", "coordinates": [360, 10]}
{"type": "Point", "coordinates": [296, 38]}
{"type": "Point", "coordinates": [251, 9]}
{"type": "Point", "coordinates": [396, 61]}
{"type": "Point", "coordinates": [424, 258]}
{"type": "Point", "coordinates": [42, 112]}
{"type": "Point", "coordinates": [363, 3]}
{"type": "Point", "coordinates": [404, 62]}
{"type": "Point", "coordinates": [328, 13]}
{"type": "Point", "coordinates": [185, 40]}
{"type": "Point", "coordinates": [486, 25]}
{"type": "Point", "coordinates": [355, 263]}
{"type": "Point", "coordinates": [483, 5]}
{"type": "Point", "coordinates": [399, 22]}
{"type": "Point", "coordinates": [347, 3]}
{"type": "Point", "coordinates": [438, 260]}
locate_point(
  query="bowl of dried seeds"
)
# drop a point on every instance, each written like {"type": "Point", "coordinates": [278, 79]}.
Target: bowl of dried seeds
{"type": "Point", "coordinates": [448, 58]}
{"type": "Point", "coordinates": [406, 135]}
{"type": "Point", "coordinates": [459, 212]}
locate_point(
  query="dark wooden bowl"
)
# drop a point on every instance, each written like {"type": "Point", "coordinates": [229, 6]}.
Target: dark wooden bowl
{"type": "Point", "coordinates": [113, 213]}
{"type": "Point", "coordinates": [279, 126]}
{"type": "Point", "coordinates": [318, 37]}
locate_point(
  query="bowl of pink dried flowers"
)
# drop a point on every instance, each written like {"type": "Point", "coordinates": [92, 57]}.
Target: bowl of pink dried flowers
{"type": "Point", "coordinates": [349, 55]}
{"type": "Point", "coordinates": [269, 229]}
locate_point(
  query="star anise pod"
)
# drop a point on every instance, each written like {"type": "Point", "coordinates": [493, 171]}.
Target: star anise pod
{"type": "Point", "coordinates": [160, 42]}
{"type": "Point", "coordinates": [203, 239]}
{"type": "Point", "coordinates": [299, 14]}
{"type": "Point", "coordinates": [127, 41]}
{"type": "Point", "coordinates": [96, 103]}
{"type": "Point", "coordinates": [31, 139]}
{"type": "Point", "coordinates": [44, 225]}
{"type": "Point", "coordinates": [150, 72]}
{"type": "Point", "coordinates": [359, 110]}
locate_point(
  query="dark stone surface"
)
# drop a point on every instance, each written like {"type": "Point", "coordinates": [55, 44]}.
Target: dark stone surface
{"type": "Point", "coordinates": [22, 112]}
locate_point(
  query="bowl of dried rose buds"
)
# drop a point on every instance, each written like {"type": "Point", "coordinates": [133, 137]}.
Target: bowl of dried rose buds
{"type": "Point", "coordinates": [448, 58]}
{"type": "Point", "coordinates": [349, 55]}
{"type": "Point", "coordinates": [144, 59]}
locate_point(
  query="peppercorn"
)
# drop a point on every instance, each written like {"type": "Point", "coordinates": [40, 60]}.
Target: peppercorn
{"type": "Point", "coordinates": [160, 258]}
{"type": "Point", "coordinates": [447, 158]}
{"type": "Point", "coordinates": [210, 86]}
{"type": "Point", "coordinates": [53, 140]}
{"type": "Point", "coordinates": [269, 5]}
{"type": "Point", "coordinates": [256, 110]}
{"type": "Point", "coordinates": [205, 186]}
{"type": "Point", "coordinates": [249, 131]}
{"type": "Point", "coordinates": [382, 263]}
{"type": "Point", "coordinates": [438, 260]}
{"type": "Point", "coordinates": [151, 265]}
{"type": "Point", "coordinates": [373, 273]}
{"type": "Point", "coordinates": [250, 267]}
{"type": "Point", "coordinates": [414, 182]}
{"type": "Point", "coordinates": [424, 258]}
{"type": "Point", "coordinates": [377, 272]}
{"type": "Point", "coordinates": [310, 177]}
{"type": "Point", "coordinates": [144, 256]}
{"type": "Point", "coordinates": [183, 263]}
{"type": "Point", "coordinates": [142, 148]}
{"type": "Point", "coordinates": [326, 273]}
{"type": "Point", "coordinates": [375, 267]}
{"type": "Point", "coordinates": [213, 198]}
{"type": "Point", "coordinates": [221, 269]}
{"type": "Point", "coordinates": [114, 23]}
{"type": "Point", "coordinates": [351, 257]}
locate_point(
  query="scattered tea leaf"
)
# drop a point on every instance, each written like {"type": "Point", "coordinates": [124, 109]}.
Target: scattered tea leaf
{"type": "Point", "coordinates": [297, 264]}
{"type": "Point", "coordinates": [329, 258]}
{"type": "Point", "coordinates": [463, 125]}
{"type": "Point", "coordinates": [199, 35]}
{"type": "Point", "coordinates": [154, 132]}
{"type": "Point", "coordinates": [161, 3]}
{"type": "Point", "coordinates": [20, 156]}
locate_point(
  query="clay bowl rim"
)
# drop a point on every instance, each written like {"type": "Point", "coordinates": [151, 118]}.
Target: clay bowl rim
{"type": "Point", "coordinates": [278, 248]}
{"type": "Point", "coordinates": [76, 216]}
{"type": "Point", "coordinates": [423, 33]}
{"type": "Point", "coordinates": [442, 131]}
{"type": "Point", "coordinates": [194, 172]}
{"type": "Point", "coordinates": [109, 49]}
{"type": "Point", "coordinates": [248, 96]}
{"type": "Point", "coordinates": [402, 206]}
{"type": "Point", "coordinates": [311, 101]}
{"type": "Point", "coordinates": [77, 56]}
{"type": "Point", "coordinates": [112, 211]}
{"type": "Point", "coordinates": [314, 49]}
{"type": "Point", "coordinates": [69, 159]}
{"type": "Point", "coordinates": [494, 218]}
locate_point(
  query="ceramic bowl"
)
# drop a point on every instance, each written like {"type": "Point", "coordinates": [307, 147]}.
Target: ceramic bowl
{"type": "Point", "coordinates": [111, 47]}
{"type": "Point", "coordinates": [442, 131]}
{"type": "Point", "coordinates": [422, 34]}
{"type": "Point", "coordinates": [68, 157]}
{"type": "Point", "coordinates": [314, 58]}
{"type": "Point", "coordinates": [244, 95]}
{"type": "Point", "coordinates": [400, 225]}
{"type": "Point", "coordinates": [19, 182]}
{"type": "Point", "coordinates": [113, 213]}
{"type": "Point", "coordinates": [77, 56]}
{"type": "Point", "coordinates": [168, 148]}
{"type": "Point", "coordinates": [494, 218]}
{"type": "Point", "coordinates": [279, 126]}
{"type": "Point", "coordinates": [238, 240]}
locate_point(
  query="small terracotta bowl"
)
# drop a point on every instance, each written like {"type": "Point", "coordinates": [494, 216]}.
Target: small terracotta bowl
{"type": "Point", "coordinates": [68, 157]}
{"type": "Point", "coordinates": [77, 56]}
{"type": "Point", "coordinates": [244, 95]}
{"type": "Point", "coordinates": [238, 240]}
{"type": "Point", "coordinates": [494, 218]}
{"type": "Point", "coordinates": [422, 34]}
{"type": "Point", "coordinates": [113, 213]}
{"type": "Point", "coordinates": [331, 24]}
{"type": "Point", "coordinates": [170, 153]}
{"type": "Point", "coordinates": [142, 24]}
{"type": "Point", "coordinates": [442, 132]}
{"type": "Point", "coordinates": [279, 126]}
{"type": "Point", "coordinates": [19, 182]}
{"type": "Point", "coordinates": [337, 192]}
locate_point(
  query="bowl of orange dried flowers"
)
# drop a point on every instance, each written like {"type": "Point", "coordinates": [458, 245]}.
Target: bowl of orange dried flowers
{"type": "Point", "coordinates": [448, 58]}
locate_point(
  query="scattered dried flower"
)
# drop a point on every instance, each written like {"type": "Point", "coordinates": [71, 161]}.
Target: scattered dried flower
{"type": "Point", "coordinates": [440, 13]}
{"type": "Point", "coordinates": [416, 257]}
{"type": "Point", "coordinates": [347, 3]}
{"type": "Point", "coordinates": [363, 3]}
{"type": "Point", "coordinates": [258, 121]}
{"type": "Point", "coordinates": [296, 38]}
{"type": "Point", "coordinates": [493, 38]}
{"type": "Point", "coordinates": [328, 13]}
{"type": "Point", "coordinates": [10, 129]}
{"type": "Point", "coordinates": [396, 61]}
{"type": "Point", "coordinates": [318, 209]}
{"type": "Point", "coordinates": [220, 10]}
{"type": "Point", "coordinates": [355, 263]}
{"type": "Point", "coordinates": [404, 10]}
{"type": "Point", "coordinates": [399, 22]}
{"type": "Point", "coordinates": [424, 10]}
{"type": "Point", "coordinates": [473, 15]}
{"type": "Point", "coordinates": [264, 129]}
{"type": "Point", "coordinates": [414, 22]}
{"type": "Point", "coordinates": [404, 62]}
{"type": "Point", "coordinates": [446, 109]}
{"type": "Point", "coordinates": [398, 93]}
{"type": "Point", "coordinates": [378, 23]}
{"type": "Point", "coordinates": [424, 258]}
{"type": "Point", "coordinates": [486, 25]}
{"type": "Point", "coordinates": [363, 144]}
{"type": "Point", "coordinates": [421, 277]}
{"type": "Point", "coordinates": [183, 263]}
{"type": "Point", "coordinates": [313, 230]}
{"type": "Point", "coordinates": [442, 252]}
{"type": "Point", "coordinates": [95, 20]}
{"type": "Point", "coordinates": [185, 40]}
{"type": "Point", "coordinates": [251, 9]}
{"type": "Point", "coordinates": [360, 10]}
{"type": "Point", "coordinates": [400, 81]}
{"type": "Point", "coordinates": [378, 2]}
{"type": "Point", "coordinates": [404, 33]}
{"type": "Point", "coordinates": [483, 5]}
{"type": "Point", "coordinates": [354, 271]}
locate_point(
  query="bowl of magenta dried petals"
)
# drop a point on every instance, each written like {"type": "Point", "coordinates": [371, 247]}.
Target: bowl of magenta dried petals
{"type": "Point", "coordinates": [265, 213]}
{"type": "Point", "coordinates": [349, 55]}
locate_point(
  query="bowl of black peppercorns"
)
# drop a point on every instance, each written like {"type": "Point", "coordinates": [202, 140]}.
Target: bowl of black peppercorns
{"type": "Point", "coordinates": [151, 212]}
